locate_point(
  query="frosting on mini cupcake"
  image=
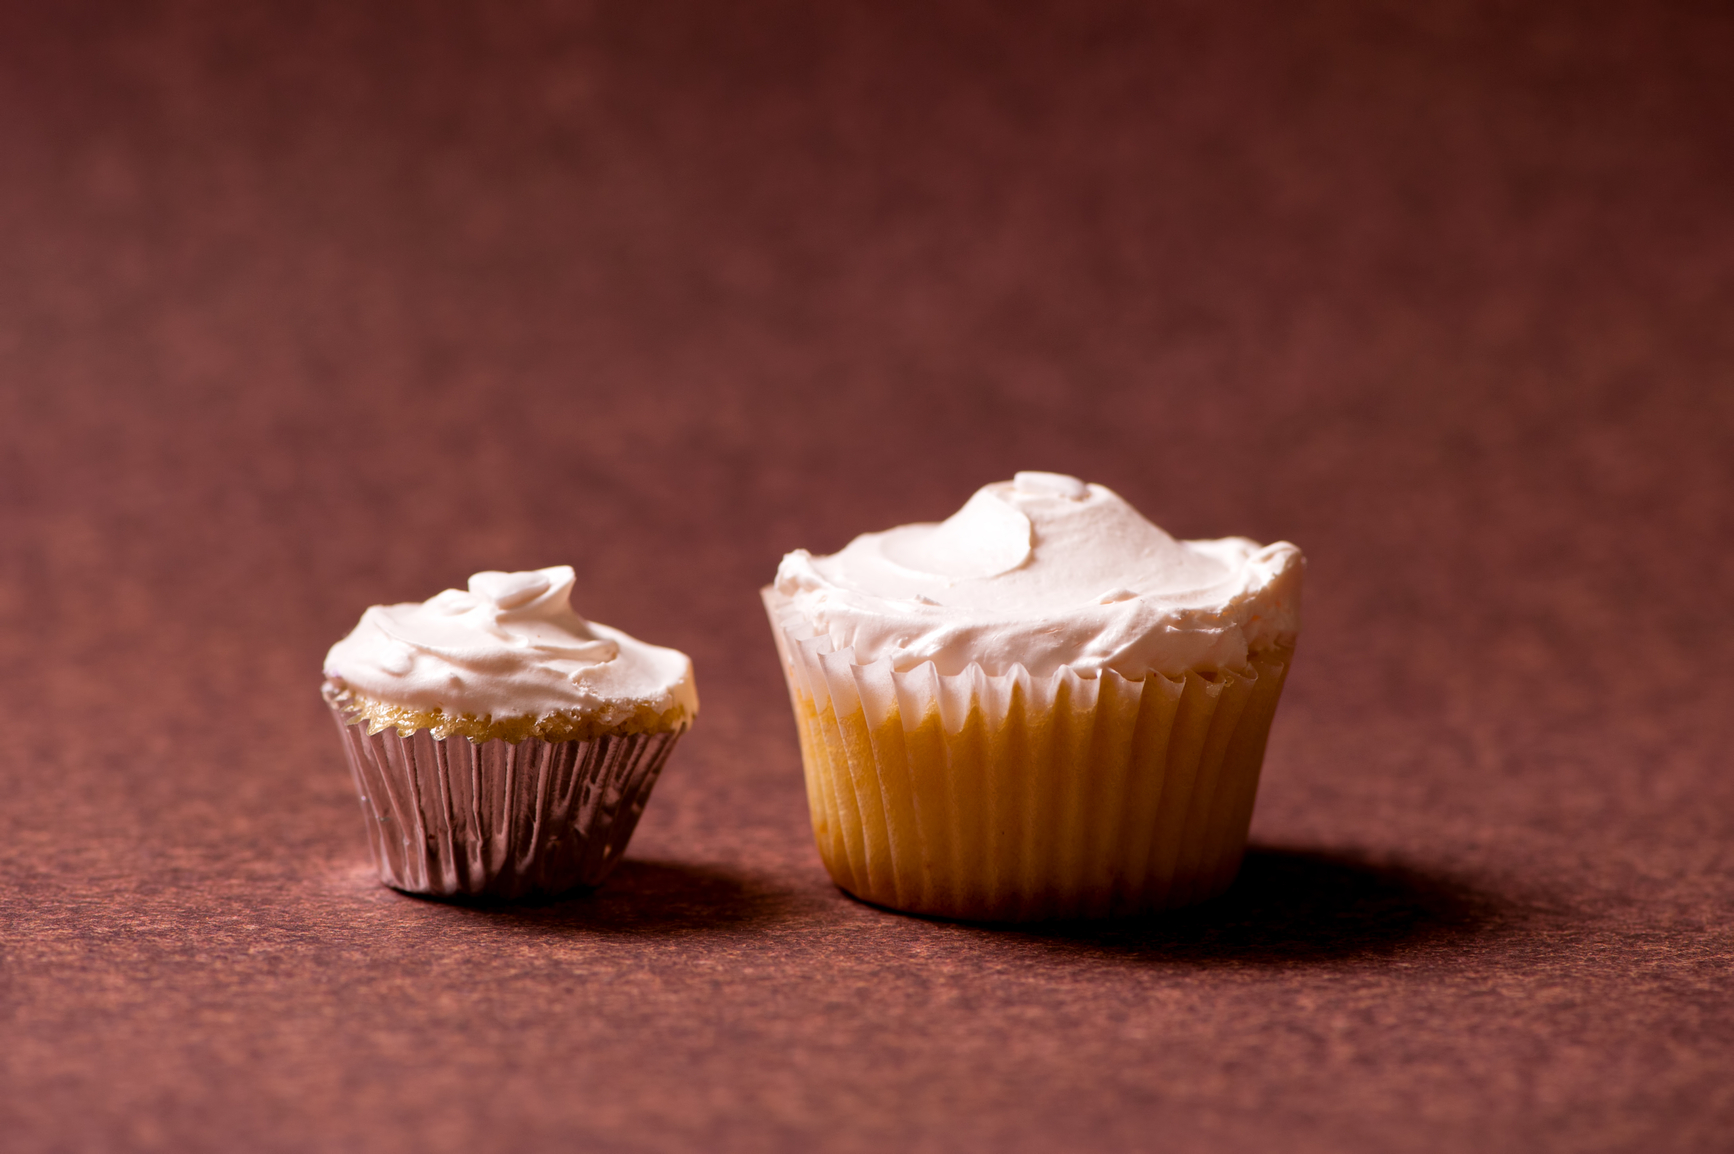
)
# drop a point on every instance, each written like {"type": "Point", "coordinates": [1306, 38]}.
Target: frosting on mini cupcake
{"type": "Point", "coordinates": [1046, 571]}
{"type": "Point", "coordinates": [509, 646]}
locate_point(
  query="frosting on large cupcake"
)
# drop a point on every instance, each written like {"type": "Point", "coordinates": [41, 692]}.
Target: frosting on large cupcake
{"type": "Point", "coordinates": [1046, 571]}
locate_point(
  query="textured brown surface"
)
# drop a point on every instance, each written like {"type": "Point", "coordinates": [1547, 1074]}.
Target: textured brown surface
{"type": "Point", "coordinates": [304, 307]}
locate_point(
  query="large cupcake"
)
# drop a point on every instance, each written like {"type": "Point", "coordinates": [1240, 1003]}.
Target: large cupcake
{"type": "Point", "coordinates": [502, 744]}
{"type": "Point", "coordinates": [1043, 707]}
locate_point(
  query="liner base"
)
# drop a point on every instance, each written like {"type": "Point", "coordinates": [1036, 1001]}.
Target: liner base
{"type": "Point", "coordinates": [448, 816]}
{"type": "Point", "coordinates": [1014, 799]}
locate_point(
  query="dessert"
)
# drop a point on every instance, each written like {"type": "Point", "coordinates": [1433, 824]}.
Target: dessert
{"type": "Point", "coordinates": [1043, 707]}
{"type": "Point", "coordinates": [502, 744]}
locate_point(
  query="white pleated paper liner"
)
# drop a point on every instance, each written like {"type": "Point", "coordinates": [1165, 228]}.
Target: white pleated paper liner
{"type": "Point", "coordinates": [1017, 798]}
{"type": "Point", "coordinates": [450, 816]}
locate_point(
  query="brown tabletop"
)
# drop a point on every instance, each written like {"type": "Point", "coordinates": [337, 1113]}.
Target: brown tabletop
{"type": "Point", "coordinates": [305, 307]}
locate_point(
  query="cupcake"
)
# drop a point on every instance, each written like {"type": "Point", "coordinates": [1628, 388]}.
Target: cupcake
{"type": "Point", "coordinates": [502, 744]}
{"type": "Point", "coordinates": [1043, 707]}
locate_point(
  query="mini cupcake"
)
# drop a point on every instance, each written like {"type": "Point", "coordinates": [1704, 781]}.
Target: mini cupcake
{"type": "Point", "coordinates": [502, 744]}
{"type": "Point", "coordinates": [1044, 707]}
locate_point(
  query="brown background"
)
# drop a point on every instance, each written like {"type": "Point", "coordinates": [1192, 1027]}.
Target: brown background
{"type": "Point", "coordinates": [309, 306]}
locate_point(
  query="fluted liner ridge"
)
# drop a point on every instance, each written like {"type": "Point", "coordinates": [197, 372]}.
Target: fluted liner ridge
{"type": "Point", "coordinates": [1017, 798]}
{"type": "Point", "coordinates": [450, 816]}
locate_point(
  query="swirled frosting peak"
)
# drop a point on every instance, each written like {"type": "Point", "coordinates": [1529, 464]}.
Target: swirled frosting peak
{"type": "Point", "coordinates": [510, 646]}
{"type": "Point", "coordinates": [1046, 571]}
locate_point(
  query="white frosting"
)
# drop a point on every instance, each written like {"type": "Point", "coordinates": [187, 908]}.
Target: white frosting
{"type": "Point", "coordinates": [1046, 571]}
{"type": "Point", "coordinates": [509, 647]}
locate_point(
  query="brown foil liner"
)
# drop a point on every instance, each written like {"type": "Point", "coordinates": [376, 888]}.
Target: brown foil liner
{"type": "Point", "coordinates": [1016, 798]}
{"type": "Point", "coordinates": [450, 816]}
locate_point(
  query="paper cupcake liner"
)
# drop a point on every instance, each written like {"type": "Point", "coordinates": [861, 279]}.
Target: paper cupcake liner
{"type": "Point", "coordinates": [450, 816]}
{"type": "Point", "coordinates": [1017, 798]}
